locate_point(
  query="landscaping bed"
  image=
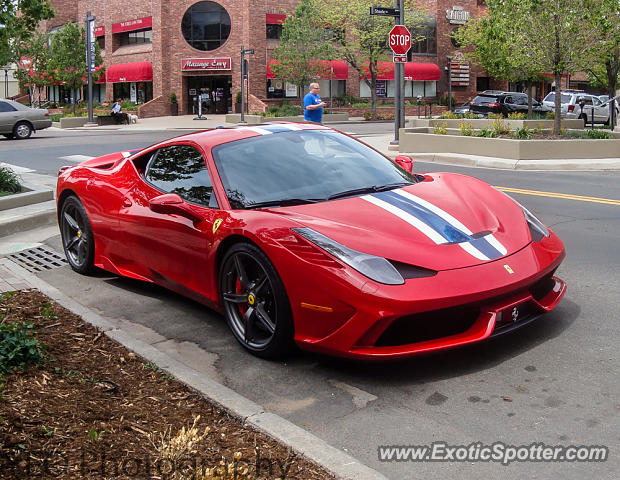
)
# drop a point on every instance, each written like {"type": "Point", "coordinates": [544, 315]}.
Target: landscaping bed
{"type": "Point", "coordinates": [93, 410]}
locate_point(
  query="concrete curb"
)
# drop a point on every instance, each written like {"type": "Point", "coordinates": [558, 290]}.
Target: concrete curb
{"type": "Point", "coordinates": [460, 159]}
{"type": "Point", "coordinates": [302, 442]}
{"type": "Point", "coordinates": [32, 194]}
{"type": "Point", "coordinates": [27, 217]}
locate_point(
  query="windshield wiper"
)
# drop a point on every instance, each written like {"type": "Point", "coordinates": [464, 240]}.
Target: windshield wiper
{"type": "Point", "coordinates": [285, 202]}
{"type": "Point", "coordinates": [371, 189]}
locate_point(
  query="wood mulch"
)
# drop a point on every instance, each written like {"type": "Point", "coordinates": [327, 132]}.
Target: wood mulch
{"type": "Point", "coordinates": [94, 410]}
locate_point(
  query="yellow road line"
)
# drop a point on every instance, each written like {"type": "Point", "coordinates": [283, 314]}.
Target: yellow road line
{"type": "Point", "coordinates": [565, 196]}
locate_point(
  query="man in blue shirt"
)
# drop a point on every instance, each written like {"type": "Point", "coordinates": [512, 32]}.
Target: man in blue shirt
{"type": "Point", "coordinates": [313, 105]}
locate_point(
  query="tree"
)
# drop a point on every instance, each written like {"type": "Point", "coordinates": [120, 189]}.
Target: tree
{"type": "Point", "coordinates": [605, 15]}
{"type": "Point", "coordinates": [68, 57]}
{"type": "Point", "coordinates": [489, 40]}
{"type": "Point", "coordinates": [18, 21]}
{"type": "Point", "coordinates": [37, 74]}
{"type": "Point", "coordinates": [304, 40]}
{"type": "Point", "coordinates": [362, 39]}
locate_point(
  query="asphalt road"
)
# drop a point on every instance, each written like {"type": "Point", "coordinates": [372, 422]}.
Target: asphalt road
{"type": "Point", "coordinates": [554, 382]}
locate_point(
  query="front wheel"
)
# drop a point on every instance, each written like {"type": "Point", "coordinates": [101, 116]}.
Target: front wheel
{"type": "Point", "coordinates": [255, 302]}
{"type": "Point", "coordinates": [22, 131]}
{"type": "Point", "coordinates": [77, 236]}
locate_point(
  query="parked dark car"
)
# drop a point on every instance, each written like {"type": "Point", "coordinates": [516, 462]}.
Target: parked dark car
{"type": "Point", "coordinates": [496, 101]}
{"type": "Point", "coordinates": [463, 108]}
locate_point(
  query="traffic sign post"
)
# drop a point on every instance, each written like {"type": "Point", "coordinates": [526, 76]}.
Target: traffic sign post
{"type": "Point", "coordinates": [399, 40]}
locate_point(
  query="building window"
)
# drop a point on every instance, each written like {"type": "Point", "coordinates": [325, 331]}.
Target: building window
{"type": "Point", "coordinates": [428, 45]}
{"type": "Point", "coordinates": [206, 26]}
{"type": "Point", "coordinates": [101, 42]}
{"type": "Point", "coordinates": [274, 31]}
{"type": "Point", "coordinates": [133, 38]}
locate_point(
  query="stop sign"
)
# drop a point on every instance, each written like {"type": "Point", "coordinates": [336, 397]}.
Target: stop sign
{"type": "Point", "coordinates": [399, 39]}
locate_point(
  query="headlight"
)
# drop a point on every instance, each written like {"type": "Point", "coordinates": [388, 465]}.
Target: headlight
{"type": "Point", "coordinates": [538, 230]}
{"type": "Point", "coordinates": [375, 268]}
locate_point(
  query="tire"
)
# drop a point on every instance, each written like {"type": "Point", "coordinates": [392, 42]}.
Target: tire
{"type": "Point", "coordinates": [8, 135]}
{"type": "Point", "coordinates": [585, 119]}
{"type": "Point", "coordinates": [77, 236]}
{"type": "Point", "coordinates": [254, 301]}
{"type": "Point", "coordinates": [22, 131]}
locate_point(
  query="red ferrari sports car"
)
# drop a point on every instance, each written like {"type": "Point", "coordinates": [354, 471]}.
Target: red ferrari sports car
{"type": "Point", "coordinates": [301, 234]}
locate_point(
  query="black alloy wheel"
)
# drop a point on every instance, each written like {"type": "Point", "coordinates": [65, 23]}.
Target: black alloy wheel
{"type": "Point", "coordinates": [255, 302]}
{"type": "Point", "coordinates": [77, 236]}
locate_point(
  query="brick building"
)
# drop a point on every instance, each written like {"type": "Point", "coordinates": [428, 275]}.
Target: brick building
{"type": "Point", "coordinates": [152, 48]}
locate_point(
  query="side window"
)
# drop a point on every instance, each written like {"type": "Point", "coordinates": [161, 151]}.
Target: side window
{"type": "Point", "coordinates": [597, 101]}
{"type": "Point", "coordinates": [7, 107]}
{"type": "Point", "coordinates": [181, 169]}
{"type": "Point", "coordinates": [521, 100]}
{"type": "Point", "coordinates": [508, 100]}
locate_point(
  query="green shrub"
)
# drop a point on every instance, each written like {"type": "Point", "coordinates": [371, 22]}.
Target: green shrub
{"type": "Point", "coordinates": [517, 116]}
{"type": "Point", "coordinates": [238, 97]}
{"type": "Point", "coordinates": [128, 105]}
{"type": "Point", "coordinates": [486, 132]}
{"type": "Point", "coordinates": [494, 116]}
{"type": "Point", "coordinates": [9, 182]}
{"type": "Point", "coordinates": [597, 134]}
{"type": "Point", "coordinates": [450, 115]}
{"type": "Point", "coordinates": [523, 133]}
{"type": "Point", "coordinates": [440, 128]}
{"type": "Point", "coordinates": [284, 110]}
{"type": "Point", "coordinates": [360, 104]}
{"type": "Point", "coordinates": [443, 100]}
{"type": "Point", "coordinates": [550, 115]}
{"type": "Point", "coordinates": [499, 127]}
{"type": "Point", "coordinates": [466, 128]}
{"type": "Point", "coordinates": [173, 97]}
{"type": "Point", "coordinates": [471, 115]}
{"type": "Point", "coordinates": [18, 347]}
{"type": "Point", "coordinates": [56, 117]}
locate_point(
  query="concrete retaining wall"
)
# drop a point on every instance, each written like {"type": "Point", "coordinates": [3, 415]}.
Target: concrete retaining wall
{"type": "Point", "coordinates": [73, 122]}
{"type": "Point", "coordinates": [413, 142]}
{"type": "Point", "coordinates": [485, 123]}
{"type": "Point", "coordinates": [327, 118]}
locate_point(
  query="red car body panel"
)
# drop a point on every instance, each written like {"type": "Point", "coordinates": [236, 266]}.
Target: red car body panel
{"type": "Point", "coordinates": [336, 309]}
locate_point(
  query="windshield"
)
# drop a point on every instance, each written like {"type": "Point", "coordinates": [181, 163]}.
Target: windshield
{"type": "Point", "coordinates": [551, 98]}
{"type": "Point", "coordinates": [481, 100]}
{"type": "Point", "coordinates": [302, 166]}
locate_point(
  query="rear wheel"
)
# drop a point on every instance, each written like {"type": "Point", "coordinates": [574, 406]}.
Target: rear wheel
{"type": "Point", "coordinates": [255, 303]}
{"type": "Point", "coordinates": [77, 236]}
{"type": "Point", "coordinates": [22, 131]}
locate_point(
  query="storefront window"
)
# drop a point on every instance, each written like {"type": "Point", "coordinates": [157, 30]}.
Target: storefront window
{"type": "Point", "coordinates": [133, 38]}
{"type": "Point", "coordinates": [274, 31]}
{"type": "Point", "coordinates": [428, 45]}
{"type": "Point", "coordinates": [206, 26]}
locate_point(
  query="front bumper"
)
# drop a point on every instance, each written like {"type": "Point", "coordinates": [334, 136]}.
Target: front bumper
{"type": "Point", "coordinates": [421, 316]}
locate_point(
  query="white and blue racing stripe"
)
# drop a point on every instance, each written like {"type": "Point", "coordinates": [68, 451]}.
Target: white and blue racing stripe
{"type": "Point", "coordinates": [269, 129]}
{"type": "Point", "coordinates": [438, 225]}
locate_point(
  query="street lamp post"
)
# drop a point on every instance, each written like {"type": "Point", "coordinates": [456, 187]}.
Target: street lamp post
{"type": "Point", "coordinates": [90, 61]}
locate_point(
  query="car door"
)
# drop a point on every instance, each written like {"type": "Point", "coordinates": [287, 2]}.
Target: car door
{"type": "Point", "coordinates": [601, 113]}
{"type": "Point", "coordinates": [171, 248]}
{"type": "Point", "coordinates": [8, 117]}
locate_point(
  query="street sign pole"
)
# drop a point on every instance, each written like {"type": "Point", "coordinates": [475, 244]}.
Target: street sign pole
{"type": "Point", "coordinates": [401, 103]}
{"type": "Point", "coordinates": [242, 85]}
{"type": "Point", "coordinates": [397, 67]}
{"type": "Point", "coordinates": [90, 61]}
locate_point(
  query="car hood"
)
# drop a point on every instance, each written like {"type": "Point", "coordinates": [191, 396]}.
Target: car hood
{"type": "Point", "coordinates": [447, 221]}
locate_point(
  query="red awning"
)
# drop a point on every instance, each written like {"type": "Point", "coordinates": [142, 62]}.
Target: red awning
{"type": "Point", "coordinates": [413, 71]}
{"type": "Point", "coordinates": [336, 69]}
{"type": "Point", "coordinates": [275, 18]}
{"type": "Point", "coordinates": [130, 72]}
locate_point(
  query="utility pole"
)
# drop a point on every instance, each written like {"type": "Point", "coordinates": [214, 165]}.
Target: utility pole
{"type": "Point", "coordinates": [244, 78]}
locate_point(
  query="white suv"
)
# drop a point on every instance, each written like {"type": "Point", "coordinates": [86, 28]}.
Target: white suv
{"type": "Point", "coordinates": [571, 106]}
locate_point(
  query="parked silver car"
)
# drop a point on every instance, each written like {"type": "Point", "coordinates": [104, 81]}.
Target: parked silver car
{"type": "Point", "coordinates": [19, 121]}
{"type": "Point", "coordinates": [571, 106]}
